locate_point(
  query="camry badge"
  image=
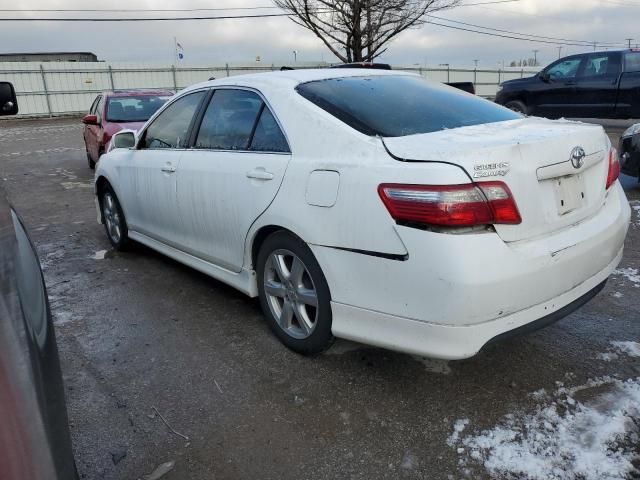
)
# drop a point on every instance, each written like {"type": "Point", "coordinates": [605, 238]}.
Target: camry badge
{"type": "Point", "coordinates": [577, 157]}
{"type": "Point", "coordinates": [498, 169]}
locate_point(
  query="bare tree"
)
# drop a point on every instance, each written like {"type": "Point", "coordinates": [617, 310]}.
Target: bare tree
{"type": "Point", "coordinates": [359, 30]}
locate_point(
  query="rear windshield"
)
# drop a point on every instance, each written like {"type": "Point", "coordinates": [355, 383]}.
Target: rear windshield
{"type": "Point", "coordinates": [134, 108]}
{"type": "Point", "coordinates": [399, 105]}
{"type": "Point", "coordinates": [632, 62]}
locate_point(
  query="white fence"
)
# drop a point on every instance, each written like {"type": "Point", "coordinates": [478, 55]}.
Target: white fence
{"type": "Point", "coordinates": [63, 88]}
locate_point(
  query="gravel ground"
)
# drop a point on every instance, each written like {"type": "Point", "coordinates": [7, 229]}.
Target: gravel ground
{"type": "Point", "coordinates": [141, 335]}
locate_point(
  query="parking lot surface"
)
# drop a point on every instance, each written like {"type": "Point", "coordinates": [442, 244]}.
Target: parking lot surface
{"type": "Point", "coordinates": [162, 363]}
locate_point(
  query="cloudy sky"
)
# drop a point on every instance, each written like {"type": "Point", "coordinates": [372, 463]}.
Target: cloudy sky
{"type": "Point", "coordinates": [275, 39]}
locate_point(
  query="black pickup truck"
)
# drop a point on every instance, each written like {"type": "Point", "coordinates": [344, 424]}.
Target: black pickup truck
{"type": "Point", "coordinates": [588, 85]}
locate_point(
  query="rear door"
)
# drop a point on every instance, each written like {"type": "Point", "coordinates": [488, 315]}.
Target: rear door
{"type": "Point", "coordinates": [597, 85]}
{"type": "Point", "coordinates": [628, 105]}
{"type": "Point", "coordinates": [559, 98]}
{"type": "Point", "coordinates": [230, 176]}
{"type": "Point", "coordinates": [147, 179]}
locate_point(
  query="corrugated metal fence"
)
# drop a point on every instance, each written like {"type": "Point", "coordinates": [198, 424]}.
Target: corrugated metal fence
{"type": "Point", "coordinates": [63, 88]}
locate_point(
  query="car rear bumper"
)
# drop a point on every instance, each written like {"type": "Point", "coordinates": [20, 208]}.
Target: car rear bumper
{"type": "Point", "coordinates": [456, 292]}
{"type": "Point", "coordinates": [457, 342]}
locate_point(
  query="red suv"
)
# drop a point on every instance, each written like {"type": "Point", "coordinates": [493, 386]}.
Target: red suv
{"type": "Point", "coordinates": [114, 111]}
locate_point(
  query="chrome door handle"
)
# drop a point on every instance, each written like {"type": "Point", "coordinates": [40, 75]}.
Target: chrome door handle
{"type": "Point", "coordinates": [260, 174]}
{"type": "Point", "coordinates": [168, 169]}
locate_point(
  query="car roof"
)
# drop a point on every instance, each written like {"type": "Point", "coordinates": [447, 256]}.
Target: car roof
{"type": "Point", "coordinates": [292, 78]}
{"type": "Point", "coordinates": [129, 93]}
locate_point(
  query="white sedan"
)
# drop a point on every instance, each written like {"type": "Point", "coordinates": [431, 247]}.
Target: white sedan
{"type": "Point", "coordinates": [372, 205]}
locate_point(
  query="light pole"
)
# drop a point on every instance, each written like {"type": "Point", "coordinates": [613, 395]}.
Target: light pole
{"type": "Point", "coordinates": [476, 62]}
{"type": "Point", "coordinates": [295, 56]}
{"type": "Point", "coordinates": [535, 57]}
{"type": "Point", "coordinates": [559, 52]}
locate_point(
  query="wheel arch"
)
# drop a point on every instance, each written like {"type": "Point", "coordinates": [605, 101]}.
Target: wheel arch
{"type": "Point", "coordinates": [260, 235]}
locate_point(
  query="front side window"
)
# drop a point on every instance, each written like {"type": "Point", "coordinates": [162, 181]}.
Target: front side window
{"type": "Point", "coordinates": [229, 120]}
{"type": "Point", "coordinates": [171, 128]}
{"type": "Point", "coordinates": [566, 69]}
{"type": "Point", "coordinates": [134, 109]}
{"type": "Point", "coordinates": [398, 105]}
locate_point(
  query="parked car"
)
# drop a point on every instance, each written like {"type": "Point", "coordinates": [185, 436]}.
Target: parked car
{"type": "Point", "coordinates": [372, 205]}
{"type": "Point", "coordinates": [589, 85]}
{"type": "Point", "coordinates": [110, 112]}
{"type": "Point", "coordinates": [630, 151]}
{"type": "Point", "coordinates": [34, 439]}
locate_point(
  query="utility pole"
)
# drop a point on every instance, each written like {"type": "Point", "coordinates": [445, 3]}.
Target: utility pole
{"type": "Point", "coordinates": [476, 62]}
{"type": "Point", "coordinates": [535, 57]}
{"type": "Point", "coordinates": [629, 41]}
{"type": "Point", "coordinates": [594, 46]}
{"type": "Point", "coordinates": [295, 56]}
{"type": "Point", "coordinates": [559, 52]}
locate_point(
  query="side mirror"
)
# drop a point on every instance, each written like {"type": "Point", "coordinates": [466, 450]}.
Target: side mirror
{"type": "Point", "coordinates": [544, 76]}
{"type": "Point", "coordinates": [124, 139]}
{"type": "Point", "coordinates": [90, 119]}
{"type": "Point", "coordinates": [8, 101]}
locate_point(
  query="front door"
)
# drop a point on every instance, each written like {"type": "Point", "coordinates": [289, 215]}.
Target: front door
{"type": "Point", "coordinates": [92, 132]}
{"type": "Point", "coordinates": [148, 179]}
{"type": "Point", "coordinates": [558, 98]}
{"type": "Point", "coordinates": [230, 176]}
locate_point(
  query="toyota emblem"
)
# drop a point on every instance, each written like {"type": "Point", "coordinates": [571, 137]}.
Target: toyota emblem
{"type": "Point", "coordinates": [577, 157]}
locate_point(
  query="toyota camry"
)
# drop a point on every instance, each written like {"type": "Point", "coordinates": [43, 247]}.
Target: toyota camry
{"type": "Point", "coordinates": [375, 206]}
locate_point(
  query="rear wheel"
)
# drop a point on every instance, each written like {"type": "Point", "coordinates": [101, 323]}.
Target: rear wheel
{"type": "Point", "coordinates": [115, 223]}
{"type": "Point", "coordinates": [294, 294]}
{"type": "Point", "coordinates": [517, 106]}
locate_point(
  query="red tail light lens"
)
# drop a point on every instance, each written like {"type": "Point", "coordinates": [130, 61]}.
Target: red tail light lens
{"type": "Point", "coordinates": [614, 167]}
{"type": "Point", "coordinates": [481, 203]}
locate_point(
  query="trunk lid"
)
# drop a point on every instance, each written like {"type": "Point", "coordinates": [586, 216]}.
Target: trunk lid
{"type": "Point", "coordinates": [533, 157]}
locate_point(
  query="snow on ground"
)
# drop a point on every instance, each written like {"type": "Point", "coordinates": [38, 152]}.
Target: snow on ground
{"type": "Point", "coordinates": [564, 438]}
{"type": "Point", "coordinates": [99, 255]}
{"type": "Point", "coordinates": [631, 349]}
{"type": "Point", "coordinates": [635, 206]}
{"type": "Point", "coordinates": [630, 274]}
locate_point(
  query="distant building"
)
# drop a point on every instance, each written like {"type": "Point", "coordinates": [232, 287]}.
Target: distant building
{"type": "Point", "coordinates": [49, 57]}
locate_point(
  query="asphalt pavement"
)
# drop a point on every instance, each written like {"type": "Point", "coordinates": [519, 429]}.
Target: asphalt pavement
{"type": "Point", "coordinates": [162, 363]}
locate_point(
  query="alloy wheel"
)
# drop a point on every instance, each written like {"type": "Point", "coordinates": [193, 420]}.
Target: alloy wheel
{"type": "Point", "coordinates": [111, 217]}
{"type": "Point", "coordinates": [291, 294]}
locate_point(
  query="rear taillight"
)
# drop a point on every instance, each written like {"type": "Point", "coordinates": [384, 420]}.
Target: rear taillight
{"type": "Point", "coordinates": [614, 167]}
{"type": "Point", "coordinates": [481, 203]}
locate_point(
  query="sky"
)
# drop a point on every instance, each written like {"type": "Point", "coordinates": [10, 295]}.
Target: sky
{"type": "Point", "coordinates": [275, 39]}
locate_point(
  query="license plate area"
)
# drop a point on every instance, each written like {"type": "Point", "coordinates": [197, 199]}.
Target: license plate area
{"type": "Point", "coordinates": [569, 192]}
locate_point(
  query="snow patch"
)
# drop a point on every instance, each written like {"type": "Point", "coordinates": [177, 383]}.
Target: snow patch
{"type": "Point", "coordinates": [434, 365]}
{"type": "Point", "coordinates": [630, 274]}
{"type": "Point", "coordinates": [635, 206]}
{"type": "Point", "coordinates": [563, 438]}
{"type": "Point", "coordinates": [617, 295]}
{"type": "Point", "coordinates": [631, 349]}
{"type": "Point", "coordinates": [99, 255]}
{"type": "Point", "coordinates": [458, 428]}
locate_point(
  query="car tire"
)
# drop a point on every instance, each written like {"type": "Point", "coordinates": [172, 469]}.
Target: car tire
{"type": "Point", "coordinates": [115, 223]}
{"type": "Point", "coordinates": [290, 282]}
{"type": "Point", "coordinates": [92, 164]}
{"type": "Point", "coordinates": [517, 106]}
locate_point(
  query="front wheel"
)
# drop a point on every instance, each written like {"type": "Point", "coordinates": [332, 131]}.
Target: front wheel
{"type": "Point", "coordinates": [115, 223]}
{"type": "Point", "coordinates": [294, 294]}
{"type": "Point", "coordinates": [517, 106]}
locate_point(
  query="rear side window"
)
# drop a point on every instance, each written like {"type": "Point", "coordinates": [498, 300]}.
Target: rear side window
{"type": "Point", "coordinates": [268, 137]}
{"type": "Point", "coordinates": [600, 65]}
{"type": "Point", "coordinates": [171, 127]}
{"type": "Point", "coordinates": [239, 120]}
{"type": "Point", "coordinates": [229, 120]}
{"type": "Point", "coordinates": [399, 105]}
{"type": "Point", "coordinates": [632, 62]}
{"type": "Point", "coordinates": [134, 109]}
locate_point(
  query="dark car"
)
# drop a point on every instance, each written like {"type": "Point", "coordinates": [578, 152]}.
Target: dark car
{"type": "Point", "coordinates": [111, 112]}
{"type": "Point", "coordinates": [35, 442]}
{"type": "Point", "coordinates": [629, 150]}
{"type": "Point", "coordinates": [589, 85]}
